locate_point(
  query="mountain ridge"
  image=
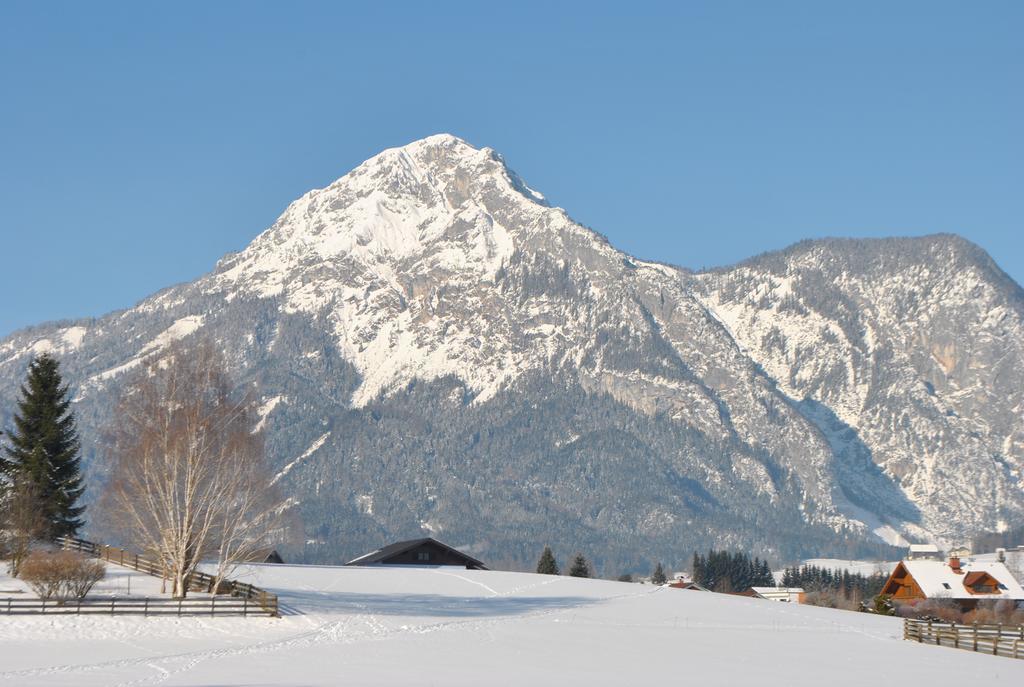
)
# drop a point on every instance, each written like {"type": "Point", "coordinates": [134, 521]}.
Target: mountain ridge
{"type": "Point", "coordinates": [767, 393]}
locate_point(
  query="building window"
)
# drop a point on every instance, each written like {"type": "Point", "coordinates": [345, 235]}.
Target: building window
{"type": "Point", "coordinates": [423, 556]}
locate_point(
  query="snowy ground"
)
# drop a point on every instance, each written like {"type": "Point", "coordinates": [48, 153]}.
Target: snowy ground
{"type": "Point", "coordinates": [435, 626]}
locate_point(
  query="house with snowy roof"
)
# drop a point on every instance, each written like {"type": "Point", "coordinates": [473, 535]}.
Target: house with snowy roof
{"type": "Point", "coordinates": [423, 551]}
{"type": "Point", "coordinates": [965, 581]}
{"type": "Point", "coordinates": [794, 595]}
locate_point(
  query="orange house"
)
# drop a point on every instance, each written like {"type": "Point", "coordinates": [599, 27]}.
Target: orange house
{"type": "Point", "coordinates": [965, 582]}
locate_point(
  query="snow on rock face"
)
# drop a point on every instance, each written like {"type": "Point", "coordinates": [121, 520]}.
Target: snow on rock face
{"type": "Point", "coordinates": [907, 353]}
{"type": "Point", "coordinates": [838, 385]}
{"type": "Point", "coordinates": [398, 247]}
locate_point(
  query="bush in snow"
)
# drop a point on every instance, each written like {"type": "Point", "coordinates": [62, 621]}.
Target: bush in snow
{"type": "Point", "coordinates": [61, 575]}
{"type": "Point", "coordinates": [945, 610]}
{"type": "Point", "coordinates": [992, 612]}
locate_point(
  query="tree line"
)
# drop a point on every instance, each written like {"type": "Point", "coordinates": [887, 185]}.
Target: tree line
{"type": "Point", "coordinates": [850, 585]}
{"type": "Point", "coordinates": [726, 571]}
{"type": "Point", "coordinates": [189, 481]}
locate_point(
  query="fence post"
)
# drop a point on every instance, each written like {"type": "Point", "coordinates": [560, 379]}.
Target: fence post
{"type": "Point", "coordinates": [113, 600]}
{"type": "Point", "coordinates": [179, 608]}
{"type": "Point", "coordinates": [245, 606]}
{"type": "Point", "coordinates": [78, 611]}
{"type": "Point", "coordinates": [213, 603]}
{"type": "Point", "coordinates": [975, 635]}
{"type": "Point", "coordinates": [145, 608]}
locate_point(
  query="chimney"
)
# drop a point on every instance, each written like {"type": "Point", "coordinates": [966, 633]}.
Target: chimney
{"type": "Point", "coordinates": [954, 564]}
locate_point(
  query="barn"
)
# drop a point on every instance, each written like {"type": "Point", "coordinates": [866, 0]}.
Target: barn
{"type": "Point", "coordinates": [425, 551]}
{"type": "Point", "coordinates": [965, 581]}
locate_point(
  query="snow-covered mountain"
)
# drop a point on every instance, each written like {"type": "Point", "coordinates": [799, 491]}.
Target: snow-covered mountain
{"type": "Point", "coordinates": [440, 350]}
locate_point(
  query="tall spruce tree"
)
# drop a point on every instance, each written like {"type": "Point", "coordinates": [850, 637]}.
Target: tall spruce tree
{"type": "Point", "coordinates": [547, 565]}
{"type": "Point", "coordinates": [44, 446]}
{"type": "Point", "coordinates": [580, 567]}
{"type": "Point", "coordinates": [658, 576]}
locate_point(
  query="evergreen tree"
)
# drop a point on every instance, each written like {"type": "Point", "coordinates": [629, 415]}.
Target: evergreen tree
{"type": "Point", "coordinates": [580, 567]}
{"type": "Point", "coordinates": [44, 446]}
{"type": "Point", "coordinates": [658, 576]}
{"type": "Point", "coordinates": [547, 565]}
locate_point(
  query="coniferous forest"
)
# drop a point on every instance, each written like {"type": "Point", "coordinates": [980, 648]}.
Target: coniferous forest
{"type": "Point", "coordinates": [730, 571]}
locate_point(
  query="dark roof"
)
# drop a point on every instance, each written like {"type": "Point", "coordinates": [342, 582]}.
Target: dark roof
{"type": "Point", "coordinates": [399, 547]}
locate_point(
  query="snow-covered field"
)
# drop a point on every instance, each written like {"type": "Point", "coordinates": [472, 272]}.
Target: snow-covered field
{"type": "Point", "coordinates": [437, 626]}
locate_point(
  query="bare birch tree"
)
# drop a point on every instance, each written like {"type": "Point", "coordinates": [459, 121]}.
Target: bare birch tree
{"type": "Point", "coordinates": [189, 481]}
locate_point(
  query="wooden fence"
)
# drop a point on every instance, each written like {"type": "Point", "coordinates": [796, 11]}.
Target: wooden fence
{"type": "Point", "coordinates": [130, 605]}
{"type": "Point", "coordinates": [253, 596]}
{"type": "Point", "coordinates": [998, 640]}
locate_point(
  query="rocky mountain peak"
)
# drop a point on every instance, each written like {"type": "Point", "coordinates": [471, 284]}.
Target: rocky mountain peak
{"type": "Point", "coordinates": [436, 347]}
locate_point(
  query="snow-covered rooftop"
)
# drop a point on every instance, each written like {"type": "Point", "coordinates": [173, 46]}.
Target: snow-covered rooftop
{"type": "Point", "coordinates": [938, 580]}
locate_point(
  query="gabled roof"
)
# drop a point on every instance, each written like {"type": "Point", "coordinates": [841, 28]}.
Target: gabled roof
{"type": "Point", "coordinates": [401, 547]}
{"type": "Point", "coordinates": [937, 580]}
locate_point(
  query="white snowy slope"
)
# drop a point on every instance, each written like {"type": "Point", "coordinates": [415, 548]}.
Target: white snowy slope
{"type": "Point", "coordinates": [364, 626]}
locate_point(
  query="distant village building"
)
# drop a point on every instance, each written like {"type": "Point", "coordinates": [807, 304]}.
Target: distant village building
{"type": "Point", "coordinates": [425, 551]}
{"type": "Point", "coordinates": [265, 556]}
{"type": "Point", "coordinates": [687, 584]}
{"type": "Point", "coordinates": [924, 552]}
{"type": "Point", "coordinates": [794, 595]}
{"type": "Point", "coordinates": [965, 581]}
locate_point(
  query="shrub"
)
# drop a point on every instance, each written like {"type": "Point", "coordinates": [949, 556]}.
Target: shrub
{"type": "Point", "coordinates": [61, 575]}
{"type": "Point", "coordinates": [945, 610]}
{"type": "Point", "coordinates": [992, 612]}
{"type": "Point", "coordinates": [831, 599]}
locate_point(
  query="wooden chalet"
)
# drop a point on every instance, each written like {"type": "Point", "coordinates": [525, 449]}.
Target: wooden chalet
{"type": "Point", "coordinates": [425, 551]}
{"type": "Point", "coordinates": [965, 581]}
{"type": "Point", "coordinates": [687, 584]}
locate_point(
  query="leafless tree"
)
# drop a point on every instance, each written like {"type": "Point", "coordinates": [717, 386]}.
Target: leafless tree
{"type": "Point", "coordinates": [22, 522]}
{"type": "Point", "coordinates": [188, 480]}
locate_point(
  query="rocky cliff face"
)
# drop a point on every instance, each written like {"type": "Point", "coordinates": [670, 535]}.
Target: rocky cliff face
{"type": "Point", "coordinates": [439, 350]}
{"type": "Point", "coordinates": [906, 353]}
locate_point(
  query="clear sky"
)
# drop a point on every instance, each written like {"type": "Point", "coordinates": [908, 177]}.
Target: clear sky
{"type": "Point", "coordinates": [139, 142]}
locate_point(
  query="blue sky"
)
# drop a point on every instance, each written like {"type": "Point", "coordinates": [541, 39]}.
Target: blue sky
{"type": "Point", "coordinates": [141, 141]}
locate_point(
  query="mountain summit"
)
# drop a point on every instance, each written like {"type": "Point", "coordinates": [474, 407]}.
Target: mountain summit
{"type": "Point", "coordinates": [439, 351]}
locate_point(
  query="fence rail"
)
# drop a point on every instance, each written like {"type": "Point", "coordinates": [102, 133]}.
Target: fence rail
{"type": "Point", "coordinates": [196, 582]}
{"type": "Point", "coordinates": [998, 640]}
{"type": "Point", "coordinates": [132, 605]}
